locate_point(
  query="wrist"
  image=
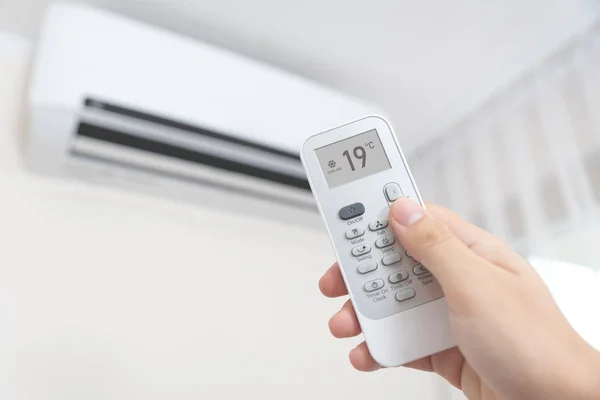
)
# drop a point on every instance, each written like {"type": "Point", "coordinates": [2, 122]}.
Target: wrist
{"type": "Point", "coordinates": [591, 377]}
{"type": "Point", "coordinates": [580, 380]}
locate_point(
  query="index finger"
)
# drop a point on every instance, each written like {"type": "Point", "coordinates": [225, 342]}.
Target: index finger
{"type": "Point", "coordinates": [332, 284]}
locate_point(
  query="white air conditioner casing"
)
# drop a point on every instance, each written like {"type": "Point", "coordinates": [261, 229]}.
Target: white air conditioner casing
{"type": "Point", "coordinates": [117, 102]}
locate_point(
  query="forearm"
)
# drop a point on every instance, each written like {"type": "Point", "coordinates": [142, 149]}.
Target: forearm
{"type": "Point", "coordinates": [590, 380]}
{"type": "Point", "coordinates": [580, 380]}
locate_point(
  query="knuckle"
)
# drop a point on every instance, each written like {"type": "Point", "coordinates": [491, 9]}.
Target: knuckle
{"type": "Point", "coordinates": [430, 235]}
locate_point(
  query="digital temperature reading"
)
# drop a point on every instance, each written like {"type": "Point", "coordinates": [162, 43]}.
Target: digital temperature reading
{"type": "Point", "coordinates": [352, 159]}
{"type": "Point", "coordinates": [360, 153]}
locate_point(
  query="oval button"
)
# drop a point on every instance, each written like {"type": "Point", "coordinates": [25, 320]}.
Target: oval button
{"type": "Point", "coordinates": [405, 295]}
{"type": "Point", "coordinates": [420, 270]}
{"type": "Point", "coordinates": [391, 259]}
{"type": "Point", "coordinates": [352, 211]}
{"type": "Point", "coordinates": [374, 285]}
{"type": "Point", "coordinates": [398, 277]}
{"type": "Point", "coordinates": [354, 233]}
{"type": "Point", "coordinates": [361, 250]}
{"type": "Point", "coordinates": [385, 242]}
{"type": "Point", "coordinates": [367, 267]}
{"type": "Point", "coordinates": [379, 225]}
{"type": "Point", "coordinates": [393, 192]}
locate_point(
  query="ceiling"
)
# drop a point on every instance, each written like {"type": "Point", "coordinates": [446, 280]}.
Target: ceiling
{"type": "Point", "coordinates": [425, 62]}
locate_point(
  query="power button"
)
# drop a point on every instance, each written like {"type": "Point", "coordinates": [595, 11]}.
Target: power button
{"type": "Point", "coordinates": [352, 211]}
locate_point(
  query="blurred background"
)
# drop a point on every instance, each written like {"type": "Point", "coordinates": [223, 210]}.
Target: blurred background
{"type": "Point", "coordinates": [158, 238]}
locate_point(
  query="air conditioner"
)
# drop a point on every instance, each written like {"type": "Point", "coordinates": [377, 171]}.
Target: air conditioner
{"type": "Point", "coordinates": [118, 102]}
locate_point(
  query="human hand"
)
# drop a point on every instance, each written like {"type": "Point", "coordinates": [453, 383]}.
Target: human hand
{"type": "Point", "coordinates": [513, 341]}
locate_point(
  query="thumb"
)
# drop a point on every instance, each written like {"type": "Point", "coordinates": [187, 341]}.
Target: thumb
{"type": "Point", "coordinates": [432, 243]}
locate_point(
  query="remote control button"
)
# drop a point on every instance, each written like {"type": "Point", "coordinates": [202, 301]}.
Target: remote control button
{"type": "Point", "coordinates": [398, 277]}
{"type": "Point", "coordinates": [405, 295]}
{"type": "Point", "coordinates": [393, 192]}
{"type": "Point", "coordinates": [367, 267]}
{"type": "Point", "coordinates": [385, 242]}
{"type": "Point", "coordinates": [354, 233]}
{"type": "Point", "coordinates": [352, 211]}
{"type": "Point", "coordinates": [379, 225]}
{"type": "Point", "coordinates": [409, 256]}
{"type": "Point", "coordinates": [374, 285]}
{"type": "Point", "coordinates": [361, 250]}
{"type": "Point", "coordinates": [420, 270]}
{"type": "Point", "coordinates": [391, 259]}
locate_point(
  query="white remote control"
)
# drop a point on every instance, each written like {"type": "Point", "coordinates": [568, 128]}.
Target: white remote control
{"type": "Point", "coordinates": [356, 172]}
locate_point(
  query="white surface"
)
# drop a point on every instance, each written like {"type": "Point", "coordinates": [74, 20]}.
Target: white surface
{"type": "Point", "coordinates": [424, 62]}
{"type": "Point", "coordinates": [106, 295]}
{"type": "Point", "coordinates": [579, 247]}
{"type": "Point", "coordinates": [576, 289]}
{"type": "Point", "coordinates": [396, 333]}
{"type": "Point", "coordinates": [161, 73]}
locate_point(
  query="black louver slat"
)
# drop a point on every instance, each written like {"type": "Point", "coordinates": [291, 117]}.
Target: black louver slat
{"type": "Point", "coordinates": [135, 142]}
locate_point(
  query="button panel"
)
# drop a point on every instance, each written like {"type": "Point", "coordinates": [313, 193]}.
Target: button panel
{"type": "Point", "coordinates": [374, 285]}
{"type": "Point", "coordinates": [384, 278]}
{"type": "Point", "coordinates": [367, 267]}
{"type": "Point", "coordinates": [355, 233]}
{"type": "Point", "coordinates": [361, 250]}
{"type": "Point", "coordinates": [352, 211]}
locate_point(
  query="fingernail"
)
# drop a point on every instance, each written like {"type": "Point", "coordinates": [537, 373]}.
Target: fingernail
{"type": "Point", "coordinates": [407, 212]}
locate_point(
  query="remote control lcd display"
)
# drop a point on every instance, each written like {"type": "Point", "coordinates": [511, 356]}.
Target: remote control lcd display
{"type": "Point", "coordinates": [352, 159]}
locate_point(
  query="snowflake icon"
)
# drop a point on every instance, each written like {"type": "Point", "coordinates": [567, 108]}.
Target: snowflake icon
{"type": "Point", "coordinates": [332, 164]}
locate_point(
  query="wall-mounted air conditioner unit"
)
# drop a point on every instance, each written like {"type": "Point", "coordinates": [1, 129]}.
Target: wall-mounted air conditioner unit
{"type": "Point", "coordinates": [118, 102]}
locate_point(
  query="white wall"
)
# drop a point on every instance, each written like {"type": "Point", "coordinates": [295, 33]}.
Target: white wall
{"type": "Point", "coordinates": [580, 247]}
{"type": "Point", "coordinates": [109, 295]}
